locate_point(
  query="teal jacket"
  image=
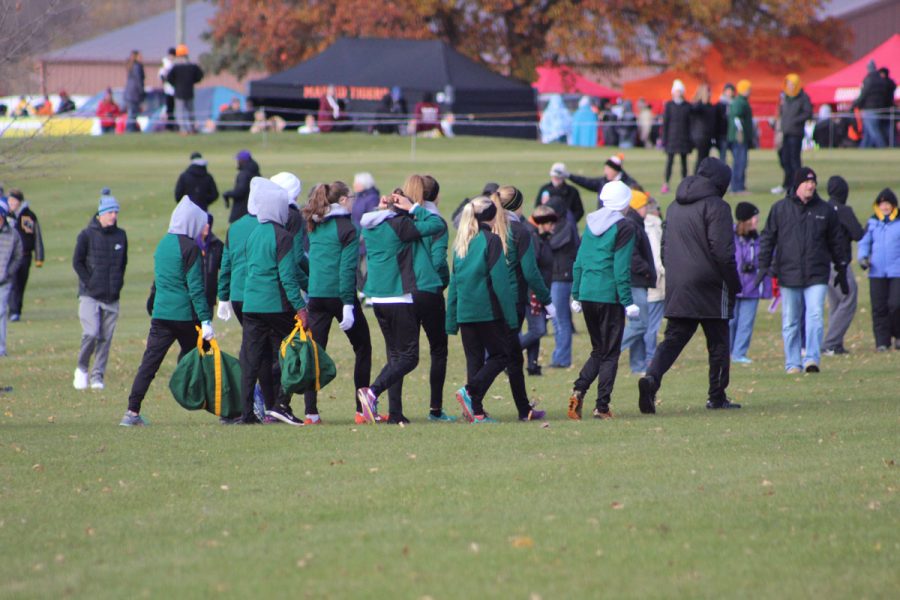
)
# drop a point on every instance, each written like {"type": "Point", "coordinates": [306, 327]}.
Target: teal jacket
{"type": "Point", "coordinates": [334, 256]}
{"type": "Point", "coordinates": [389, 238]}
{"type": "Point", "coordinates": [430, 258]}
{"type": "Point", "coordinates": [481, 288]}
{"type": "Point", "coordinates": [740, 109]}
{"type": "Point", "coordinates": [273, 281]}
{"type": "Point", "coordinates": [602, 271]}
{"type": "Point", "coordinates": [178, 275]}
{"type": "Point", "coordinates": [522, 263]}
{"type": "Point", "coordinates": [297, 227]}
{"type": "Point", "coordinates": [233, 272]}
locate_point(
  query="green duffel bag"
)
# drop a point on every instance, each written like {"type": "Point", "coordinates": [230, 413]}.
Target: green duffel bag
{"type": "Point", "coordinates": [305, 367]}
{"type": "Point", "coordinates": [209, 380]}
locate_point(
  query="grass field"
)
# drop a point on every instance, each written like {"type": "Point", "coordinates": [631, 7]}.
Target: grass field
{"type": "Point", "coordinates": [795, 495]}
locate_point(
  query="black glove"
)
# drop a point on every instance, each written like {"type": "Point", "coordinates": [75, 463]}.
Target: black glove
{"type": "Point", "coordinates": [759, 278]}
{"type": "Point", "coordinates": [865, 263]}
{"type": "Point", "coordinates": [226, 198]}
{"type": "Point", "coordinates": [840, 280]}
{"type": "Point", "coordinates": [748, 268]}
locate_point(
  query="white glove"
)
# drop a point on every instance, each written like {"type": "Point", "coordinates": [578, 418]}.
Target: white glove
{"type": "Point", "coordinates": [551, 311]}
{"type": "Point", "coordinates": [576, 306]}
{"type": "Point", "coordinates": [223, 310]}
{"type": "Point", "coordinates": [633, 311]}
{"type": "Point", "coordinates": [207, 330]}
{"type": "Point", "coordinates": [347, 322]}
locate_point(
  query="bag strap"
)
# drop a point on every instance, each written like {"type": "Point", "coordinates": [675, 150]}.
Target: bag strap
{"type": "Point", "coordinates": [298, 329]}
{"type": "Point", "coordinates": [315, 348]}
{"type": "Point", "coordinates": [217, 362]}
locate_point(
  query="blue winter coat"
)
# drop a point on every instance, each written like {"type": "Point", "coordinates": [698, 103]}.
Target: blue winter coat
{"type": "Point", "coordinates": [881, 245]}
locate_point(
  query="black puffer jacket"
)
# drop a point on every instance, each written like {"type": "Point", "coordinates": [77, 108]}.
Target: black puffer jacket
{"type": "Point", "coordinates": [703, 123]}
{"type": "Point", "coordinates": [838, 190]}
{"type": "Point", "coordinates": [100, 258]}
{"type": "Point", "coordinates": [676, 127]}
{"type": "Point", "coordinates": [698, 247]}
{"type": "Point", "coordinates": [643, 271]}
{"type": "Point", "coordinates": [564, 244]}
{"type": "Point", "coordinates": [198, 184]}
{"type": "Point", "coordinates": [800, 241]}
{"type": "Point", "coordinates": [247, 170]}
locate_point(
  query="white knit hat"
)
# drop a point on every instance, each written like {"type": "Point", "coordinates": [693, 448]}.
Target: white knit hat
{"type": "Point", "coordinates": [615, 195]}
{"type": "Point", "coordinates": [678, 86]}
{"type": "Point", "coordinates": [290, 183]}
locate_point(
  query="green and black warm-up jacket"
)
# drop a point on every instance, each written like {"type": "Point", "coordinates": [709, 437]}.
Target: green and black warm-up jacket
{"type": "Point", "coordinates": [430, 261]}
{"type": "Point", "coordinates": [481, 288]}
{"type": "Point", "coordinates": [233, 272]}
{"type": "Point", "coordinates": [178, 275]}
{"type": "Point", "coordinates": [602, 271]}
{"type": "Point", "coordinates": [333, 258]}
{"type": "Point", "coordinates": [273, 283]}
{"type": "Point", "coordinates": [522, 263]}
{"type": "Point", "coordinates": [296, 225]}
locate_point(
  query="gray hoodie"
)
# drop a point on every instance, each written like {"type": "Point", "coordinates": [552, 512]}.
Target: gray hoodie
{"type": "Point", "coordinates": [373, 219]}
{"type": "Point", "coordinates": [601, 220]}
{"type": "Point", "coordinates": [270, 201]}
{"type": "Point", "coordinates": [336, 210]}
{"type": "Point", "coordinates": [188, 219]}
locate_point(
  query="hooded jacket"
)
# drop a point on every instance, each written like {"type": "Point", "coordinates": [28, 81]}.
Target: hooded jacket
{"type": "Point", "coordinates": [178, 268]}
{"type": "Point", "coordinates": [800, 241]}
{"type": "Point", "coordinates": [838, 191]}
{"type": "Point", "coordinates": [698, 247]}
{"type": "Point", "coordinates": [643, 268]}
{"type": "Point", "coordinates": [881, 244]}
{"type": "Point", "coordinates": [233, 273]}
{"type": "Point", "coordinates": [602, 271]}
{"type": "Point", "coordinates": [430, 257]}
{"type": "Point", "coordinates": [247, 170]}
{"type": "Point", "coordinates": [795, 112]}
{"type": "Point", "coordinates": [334, 256]}
{"type": "Point", "coordinates": [100, 259]}
{"type": "Point", "coordinates": [746, 248]}
{"type": "Point", "coordinates": [522, 263]}
{"type": "Point", "coordinates": [565, 200]}
{"type": "Point", "coordinates": [272, 284]}
{"type": "Point", "coordinates": [198, 184]}
{"type": "Point", "coordinates": [11, 253]}
{"type": "Point", "coordinates": [676, 127]}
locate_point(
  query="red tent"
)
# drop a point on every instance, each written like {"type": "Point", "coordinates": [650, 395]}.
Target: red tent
{"type": "Point", "coordinates": [563, 80]}
{"type": "Point", "coordinates": [843, 86]}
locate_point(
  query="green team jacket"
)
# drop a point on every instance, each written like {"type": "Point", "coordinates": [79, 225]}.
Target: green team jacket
{"type": "Point", "coordinates": [389, 238]}
{"type": "Point", "coordinates": [430, 258]}
{"type": "Point", "coordinates": [273, 283]}
{"type": "Point", "coordinates": [740, 109]}
{"type": "Point", "coordinates": [178, 274]}
{"type": "Point", "coordinates": [334, 256]}
{"type": "Point", "coordinates": [233, 272]}
{"type": "Point", "coordinates": [602, 271]}
{"type": "Point", "coordinates": [523, 265]}
{"type": "Point", "coordinates": [481, 288]}
{"type": "Point", "coordinates": [297, 227]}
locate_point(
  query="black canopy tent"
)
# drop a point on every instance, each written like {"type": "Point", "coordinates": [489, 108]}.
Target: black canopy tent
{"type": "Point", "coordinates": [364, 70]}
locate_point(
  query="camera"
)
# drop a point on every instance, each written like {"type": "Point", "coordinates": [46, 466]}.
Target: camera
{"type": "Point", "coordinates": [748, 268]}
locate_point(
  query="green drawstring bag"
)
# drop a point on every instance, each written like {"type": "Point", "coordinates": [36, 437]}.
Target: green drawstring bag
{"type": "Point", "coordinates": [305, 367]}
{"type": "Point", "coordinates": [208, 380]}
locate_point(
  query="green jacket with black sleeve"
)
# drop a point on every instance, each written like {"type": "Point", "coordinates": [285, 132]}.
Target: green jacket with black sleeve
{"type": "Point", "coordinates": [234, 259]}
{"type": "Point", "coordinates": [334, 256]}
{"type": "Point", "coordinates": [602, 271]}
{"type": "Point", "coordinates": [522, 263]}
{"type": "Point", "coordinates": [178, 268]}
{"type": "Point", "coordinates": [430, 258]}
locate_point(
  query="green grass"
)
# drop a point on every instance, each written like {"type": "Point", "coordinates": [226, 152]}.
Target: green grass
{"type": "Point", "coordinates": [793, 496]}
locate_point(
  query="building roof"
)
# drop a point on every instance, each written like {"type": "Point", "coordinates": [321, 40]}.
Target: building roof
{"type": "Point", "coordinates": [843, 8]}
{"type": "Point", "coordinates": [152, 36]}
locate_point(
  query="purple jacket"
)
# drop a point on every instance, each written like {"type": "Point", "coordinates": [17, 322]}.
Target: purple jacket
{"type": "Point", "coordinates": [366, 201]}
{"type": "Point", "coordinates": [746, 253]}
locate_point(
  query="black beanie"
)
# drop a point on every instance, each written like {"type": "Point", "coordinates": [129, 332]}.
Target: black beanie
{"type": "Point", "coordinates": [803, 174]}
{"type": "Point", "coordinates": [838, 190]}
{"type": "Point", "coordinates": [885, 195]}
{"type": "Point", "coordinates": [515, 202]}
{"type": "Point", "coordinates": [744, 211]}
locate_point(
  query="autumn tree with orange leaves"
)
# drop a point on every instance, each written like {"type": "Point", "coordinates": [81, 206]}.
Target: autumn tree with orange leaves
{"type": "Point", "coordinates": [513, 37]}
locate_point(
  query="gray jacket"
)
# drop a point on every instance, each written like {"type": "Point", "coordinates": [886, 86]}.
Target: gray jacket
{"type": "Point", "coordinates": [795, 112]}
{"type": "Point", "coordinates": [11, 251]}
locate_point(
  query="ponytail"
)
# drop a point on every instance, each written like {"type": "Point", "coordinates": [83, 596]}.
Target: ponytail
{"type": "Point", "coordinates": [501, 222]}
{"type": "Point", "coordinates": [468, 224]}
{"type": "Point", "coordinates": [316, 206]}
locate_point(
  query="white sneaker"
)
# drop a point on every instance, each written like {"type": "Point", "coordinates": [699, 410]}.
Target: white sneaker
{"type": "Point", "coordinates": [777, 190]}
{"type": "Point", "coordinates": [81, 380]}
{"type": "Point", "coordinates": [97, 385]}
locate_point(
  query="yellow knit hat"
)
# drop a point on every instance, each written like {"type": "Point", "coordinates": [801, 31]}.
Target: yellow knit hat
{"type": "Point", "coordinates": [638, 200]}
{"type": "Point", "coordinates": [743, 87]}
{"type": "Point", "coordinates": [794, 79]}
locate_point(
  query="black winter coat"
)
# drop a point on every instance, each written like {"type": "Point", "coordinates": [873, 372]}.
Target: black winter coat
{"type": "Point", "coordinates": [198, 184]}
{"type": "Point", "coordinates": [643, 271]}
{"type": "Point", "coordinates": [543, 254]}
{"type": "Point", "coordinates": [247, 170]}
{"type": "Point", "coordinates": [721, 121]}
{"type": "Point", "coordinates": [853, 231]}
{"type": "Point", "coordinates": [703, 123]}
{"type": "Point", "coordinates": [30, 231]}
{"type": "Point", "coordinates": [800, 241]}
{"type": "Point", "coordinates": [698, 248]}
{"type": "Point", "coordinates": [676, 127]}
{"type": "Point", "coordinates": [212, 262]}
{"type": "Point", "coordinates": [872, 94]}
{"type": "Point", "coordinates": [183, 77]}
{"type": "Point", "coordinates": [595, 184]}
{"type": "Point", "coordinates": [564, 246]}
{"type": "Point", "coordinates": [795, 112]}
{"type": "Point", "coordinates": [564, 199]}
{"type": "Point", "coordinates": [100, 258]}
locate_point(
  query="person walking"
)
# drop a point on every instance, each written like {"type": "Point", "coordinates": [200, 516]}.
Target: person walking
{"type": "Point", "coordinates": [656, 296]}
{"type": "Point", "coordinates": [842, 307]}
{"type": "Point", "coordinates": [613, 170]}
{"type": "Point", "coordinates": [333, 258]}
{"type": "Point", "coordinates": [740, 135]}
{"type": "Point", "coordinates": [676, 132]}
{"type": "Point", "coordinates": [602, 288]}
{"type": "Point", "coordinates": [795, 109]}
{"type": "Point", "coordinates": [701, 282]}
{"type": "Point", "coordinates": [702, 123]}
{"type": "Point", "coordinates": [134, 89]}
{"type": "Point", "coordinates": [870, 102]}
{"type": "Point", "coordinates": [99, 260]}
{"type": "Point", "coordinates": [746, 244]}
{"type": "Point", "coordinates": [26, 223]}
{"type": "Point", "coordinates": [800, 241]}
{"type": "Point", "coordinates": [540, 226]}
{"type": "Point", "coordinates": [237, 197]}
{"type": "Point", "coordinates": [183, 76]}
{"type": "Point", "coordinates": [563, 244]}
{"type": "Point", "coordinates": [179, 305]}
{"type": "Point", "coordinates": [480, 305]}
{"type": "Point", "coordinates": [643, 278]}
{"type": "Point", "coordinates": [879, 253]}
{"type": "Point", "coordinates": [11, 256]}
{"type": "Point", "coordinates": [196, 183]}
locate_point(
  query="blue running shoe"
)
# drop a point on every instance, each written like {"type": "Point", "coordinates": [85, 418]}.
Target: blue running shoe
{"type": "Point", "coordinates": [465, 402]}
{"type": "Point", "coordinates": [485, 418]}
{"type": "Point", "coordinates": [442, 418]}
{"type": "Point", "coordinates": [132, 419]}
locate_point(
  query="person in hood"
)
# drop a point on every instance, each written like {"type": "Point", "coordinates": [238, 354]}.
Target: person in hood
{"type": "Point", "coordinates": [26, 223]}
{"type": "Point", "coordinates": [273, 299]}
{"type": "Point", "coordinates": [584, 125]}
{"type": "Point", "coordinates": [740, 135]}
{"type": "Point", "coordinates": [795, 109]}
{"type": "Point", "coordinates": [879, 253]}
{"type": "Point", "coordinates": [613, 170]}
{"type": "Point", "coordinates": [391, 233]}
{"type": "Point", "coordinates": [746, 245]}
{"type": "Point", "coordinates": [701, 282]}
{"type": "Point", "coordinates": [676, 132]}
{"type": "Point", "coordinates": [99, 260]}
{"type": "Point", "coordinates": [180, 301]}
{"type": "Point", "coordinates": [333, 258]}
{"type": "Point", "coordinates": [237, 197]}
{"type": "Point", "coordinates": [213, 249]}
{"type": "Point", "coordinates": [801, 240]}
{"type": "Point", "coordinates": [196, 183]}
{"type": "Point", "coordinates": [556, 122]}
{"type": "Point", "coordinates": [601, 289]}
{"type": "Point", "coordinates": [11, 255]}
{"type": "Point", "coordinates": [841, 306]}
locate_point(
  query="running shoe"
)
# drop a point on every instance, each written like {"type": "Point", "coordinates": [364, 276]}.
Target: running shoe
{"type": "Point", "coordinates": [441, 418]}
{"type": "Point", "coordinates": [132, 419]}
{"type": "Point", "coordinates": [369, 404]}
{"type": "Point", "coordinates": [465, 402]}
{"type": "Point", "coordinates": [283, 413]}
{"type": "Point", "coordinates": [576, 401]}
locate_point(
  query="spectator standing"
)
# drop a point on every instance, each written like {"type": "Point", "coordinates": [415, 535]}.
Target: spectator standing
{"type": "Point", "coordinates": [842, 307]}
{"type": "Point", "coordinates": [367, 196]}
{"type": "Point", "coordinates": [656, 296]}
{"type": "Point", "coordinates": [107, 112]}
{"type": "Point", "coordinates": [99, 260]}
{"type": "Point", "coordinates": [66, 104]}
{"type": "Point", "coordinates": [564, 246]}
{"type": "Point", "coordinates": [247, 169]}
{"type": "Point", "coordinates": [801, 239]}
{"type": "Point", "coordinates": [676, 131]}
{"type": "Point", "coordinates": [722, 120]}
{"type": "Point", "coordinates": [134, 89]}
{"type": "Point", "coordinates": [701, 281]}
{"type": "Point", "coordinates": [329, 110]}
{"type": "Point", "coordinates": [879, 251]}
{"type": "Point", "coordinates": [540, 225]}
{"type": "Point", "coordinates": [556, 122]}
{"type": "Point", "coordinates": [870, 101]}
{"type": "Point", "coordinates": [560, 196]}
{"type": "Point", "coordinates": [889, 88]}
{"type": "Point", "coordinates": [427, 115]}
{"type": "Point", "coordinates": [795, 109]}
{"type": "Point", "coordinates": [168, 62]}
{"type": "Point", "coordinates": [645, 124]}
{"type": "Point", "coordinates": [703, 124]}
{"type": "Point", "coordinates": [740, 135]}
{"type": "Point", "coordinates": [213, 248]}
{"type": "Point", "coordinates": [11, 255]}
{"type": "Point", "coordinates": [613, 170]}
{"type": "Point", "coordinates": [26, 223]}
{"type": "Point", "coordinates": [196, 183]}
{"type": "Point", "coordinates": [746, 244]}
{"type": "Point", "coordinates": [183, 76]}
{"type": "Point", "coordinates": [584, 125]}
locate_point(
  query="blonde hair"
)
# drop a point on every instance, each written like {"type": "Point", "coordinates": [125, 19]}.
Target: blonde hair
{"type": "Point", "coordinates": [702, 94]}
{"type": "Point", "coordinates": [468, 225]}
{"type": "Point", "coordinates": [501, 222]}
{"type": "Point", "coordinates": [414, 189]}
